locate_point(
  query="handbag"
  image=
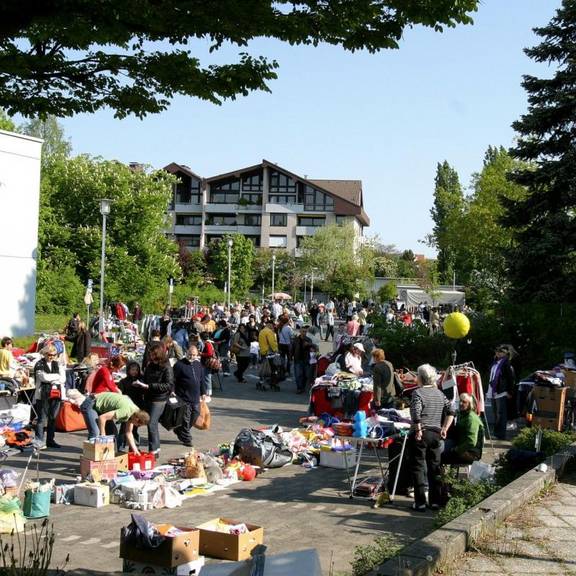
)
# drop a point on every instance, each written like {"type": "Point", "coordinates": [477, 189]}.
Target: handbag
{"type": "Point", "coordinates": [173, 414]}
{"type": "Point", "coordinates": [204, 419]}
{"type": "Point", "coordinates": [70, 418]}
{"type": "Point", "coordinates": [213, 363]}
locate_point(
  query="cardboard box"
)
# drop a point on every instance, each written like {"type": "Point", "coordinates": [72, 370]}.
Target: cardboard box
{"type": "Point", "coordinates": [174, 551]}
{"type": "Point", "coordinates": [63, 494]}
{"type": "Point", "coordinates": [338, 459]}
{"type": "Point", "coordinates": [189, 569]}
{"type": "Point", "coordinates": [93, 495]}
{"type": "Point", "coordinates": [122, 461]}
{"type": "Point", "coordinates": [98, 451]}
{"type": "Point", "coordinates": [97, 471]}
{"type": "Point", "coordinates": [549, 393]}
{"type": "Point", "coordinates": [228, 546]}
{"type": "Point", "coordinates": [549, 423]}
{"type": "Point", "coordinates": [570, 378]}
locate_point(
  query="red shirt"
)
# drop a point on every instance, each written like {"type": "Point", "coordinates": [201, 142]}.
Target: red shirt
{"type": "Point", "coordinates": [103, 381]}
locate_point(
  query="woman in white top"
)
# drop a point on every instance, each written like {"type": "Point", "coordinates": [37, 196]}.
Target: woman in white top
{"type": "Point", "coordinates": [353, 359]}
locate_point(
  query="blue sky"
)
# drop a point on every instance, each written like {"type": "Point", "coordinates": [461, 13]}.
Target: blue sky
{"type": "Point", "coordinates": [385, 119]}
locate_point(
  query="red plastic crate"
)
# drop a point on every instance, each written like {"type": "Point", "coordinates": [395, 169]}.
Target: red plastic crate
{"type": "Point", "coordinates": [143, 461]}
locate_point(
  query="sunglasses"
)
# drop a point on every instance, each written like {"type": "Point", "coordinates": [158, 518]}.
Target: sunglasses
{"type": "Point", "coordinates": [51, 355]}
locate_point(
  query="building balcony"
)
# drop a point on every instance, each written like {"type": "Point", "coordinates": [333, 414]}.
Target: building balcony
{"type": "Point", "coordinates": [284, 208]}
{"type": "Point", "coordinates": [221, 208]}
{"type": "Point", "coordinates": [232, 229]}
{"type": "Point", "coordinates": [189, 230]}
{"type": "Point", "coordinates": [187, 208]}
{"type": "Point", "coordinates": [306, 230]}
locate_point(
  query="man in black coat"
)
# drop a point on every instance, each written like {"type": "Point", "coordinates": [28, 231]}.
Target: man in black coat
{"type": "Point", "coordinates": [190, 387]}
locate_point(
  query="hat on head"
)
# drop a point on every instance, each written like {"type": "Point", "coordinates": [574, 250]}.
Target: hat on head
{"type": "Point", "coordinates": [360, 346]}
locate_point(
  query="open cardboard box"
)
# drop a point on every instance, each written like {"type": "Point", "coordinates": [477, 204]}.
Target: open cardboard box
{"type": "Point", "coordinates": [174, 551]}
{"type": "Point", "coordinates": [217, 544]}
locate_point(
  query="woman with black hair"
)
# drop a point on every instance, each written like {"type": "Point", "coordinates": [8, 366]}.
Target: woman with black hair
{"type": "Point", "coordinates": [241, 349]}
{"type": "Point", "coordinates": [158, 384]}
{"type": "Point", "coordinates": [130, 386]}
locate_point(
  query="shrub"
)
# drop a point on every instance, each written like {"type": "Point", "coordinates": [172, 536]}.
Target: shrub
{"type": "Point", "coordinates": [463, 496]}
{"type": "Point", "coordinates": [552, 442]}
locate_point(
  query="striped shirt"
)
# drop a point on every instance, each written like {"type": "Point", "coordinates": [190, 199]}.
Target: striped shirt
{"type": "Point", "coordinates": [428, 407]}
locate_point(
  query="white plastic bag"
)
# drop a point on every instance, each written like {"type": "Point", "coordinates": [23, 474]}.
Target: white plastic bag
{"type": "Point", "coordinates": [480, 471]}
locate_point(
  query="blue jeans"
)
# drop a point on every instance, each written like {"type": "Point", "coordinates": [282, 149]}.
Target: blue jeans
{"type": "Point", "coordinates": [208, 381]}
{"type": "Point", "coordinates": [90, 417]}
{"type": "Point", "coordinates": [155, 410]}
{"type": "Point", "coordinates": [500, 408]}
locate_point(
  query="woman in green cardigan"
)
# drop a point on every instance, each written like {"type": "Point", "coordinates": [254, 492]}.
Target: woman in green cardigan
{"type": "Point", "coordinates": [466, 445]}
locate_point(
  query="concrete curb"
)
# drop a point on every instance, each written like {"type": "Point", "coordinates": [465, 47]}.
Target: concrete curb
{"type": "Point", "coordinates": [443, 546]}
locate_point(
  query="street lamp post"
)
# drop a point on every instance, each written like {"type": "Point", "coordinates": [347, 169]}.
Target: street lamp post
{"type": "Point", "coordinates": [230, 242]}
{"type": "Point", "coordinates": [305, 278]}
{"type": "Point", "coordinates": [312, 286]}
{"type": "Point", "coordinates": [273, 270]}
{"type": "Point", "coordinates": [104, 210]}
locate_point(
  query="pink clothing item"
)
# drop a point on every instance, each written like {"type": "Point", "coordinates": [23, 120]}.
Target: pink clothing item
{"type": "Point", "coordinates": [352, 328]}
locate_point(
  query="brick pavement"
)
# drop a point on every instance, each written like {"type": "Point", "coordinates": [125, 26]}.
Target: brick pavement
{"type": "Point", "coordinates": [538, 539]}
{"type": "Point", "coordinates": [298, 508]}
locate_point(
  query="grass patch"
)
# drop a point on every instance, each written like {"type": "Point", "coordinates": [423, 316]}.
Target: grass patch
{"type": "Point", "coordinates": [370, 556]}
{"type": "Point", "coordinates": [45, 323]}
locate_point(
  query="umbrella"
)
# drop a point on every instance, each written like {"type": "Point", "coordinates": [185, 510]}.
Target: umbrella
{"type": "Point", "coordinates": [280, 296]}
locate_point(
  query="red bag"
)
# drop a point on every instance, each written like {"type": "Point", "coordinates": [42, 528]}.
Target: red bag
{"type": "Point", "coordinates": [70, 419]}
{"type": "Point", "coordinates": [55, 392]}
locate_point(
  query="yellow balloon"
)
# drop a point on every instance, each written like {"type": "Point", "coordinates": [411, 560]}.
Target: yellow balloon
{"type": "Point", "coordinates": [456, 325]}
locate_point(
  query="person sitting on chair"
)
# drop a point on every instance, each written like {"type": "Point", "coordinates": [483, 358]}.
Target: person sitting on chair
{"type": "Point", "coordinates": [466, 445]}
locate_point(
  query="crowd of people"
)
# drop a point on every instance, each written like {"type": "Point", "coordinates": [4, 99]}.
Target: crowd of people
{"type": "Point", "coordinates": [282, 344]}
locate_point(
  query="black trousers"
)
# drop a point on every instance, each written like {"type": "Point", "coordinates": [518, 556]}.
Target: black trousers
{"type": "Point", "coordinates": [190, 415]}
{"type": "Point", "coordinates": [426, 459]}
{"type": "Point", "coordinates": [48, 409]}
{"type": "Point", "coordinates": [284, 350]}
{"type": "Point", "coordinates": [243, 362]}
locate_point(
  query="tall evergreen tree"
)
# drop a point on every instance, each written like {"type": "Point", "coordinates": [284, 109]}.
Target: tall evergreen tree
{"type": "Point", "coordinates": [543, 264]}
{"type": "Point", "coordinates": [448, 204]}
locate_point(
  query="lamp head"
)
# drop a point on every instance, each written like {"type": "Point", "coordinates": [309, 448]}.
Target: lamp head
{"type": "Point", "coordinates": [230, 242]}
{"type": "Point", "coordinates": [105, 206]}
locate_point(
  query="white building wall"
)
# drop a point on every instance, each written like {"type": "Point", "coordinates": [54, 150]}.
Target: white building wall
{"type": "Point", "coordinates": [20, 197]}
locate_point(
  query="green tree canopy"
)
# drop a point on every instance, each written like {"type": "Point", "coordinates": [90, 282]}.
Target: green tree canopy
{"type": "Point", "coordinates": [542, 263]}
{"type": "Point", "coordinates": [447, 209]}
{"type": "Point", "coordinates": [139, 257]}
{"type": "Point", "coordinates": [340, 263]}
{"type": "Point", "coordinates": [6, 123]}
{"type": "Point", "coordinates": [63, 57]}
{"type": "Point", "coordinates": [242, 256]}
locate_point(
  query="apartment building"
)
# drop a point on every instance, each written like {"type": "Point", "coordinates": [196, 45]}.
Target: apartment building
{"type": "Point", "coordinates": [268, 204]}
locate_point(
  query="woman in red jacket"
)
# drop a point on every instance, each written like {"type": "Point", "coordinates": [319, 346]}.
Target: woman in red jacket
{"type": "Point", "coordinates": [103, 381]}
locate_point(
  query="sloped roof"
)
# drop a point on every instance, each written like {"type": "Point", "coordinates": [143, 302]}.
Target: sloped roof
{"type": "Point", "coordinates": [350, 190]}
{"type": "Point", "coordinates": [173, 167]}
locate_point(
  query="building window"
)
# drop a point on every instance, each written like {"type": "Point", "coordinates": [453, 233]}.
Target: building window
{"type": "Point", "coordinates": [317, 201]}
{"type": "Point", "coordinates": [225, 191]}
{"type": "Point", "coordinates": [313, 221]}
{"type": "Point", "coordinates": [252, 219]}
{"type": "Point", "coordinates": [210, 238]}
{"type": "Point", "coordinates": [221, 220]}
{"type": "Point", "coordinates": [187, 191]}
{"type": "Point", "coordinates": [190, 241]}
{"type": "Point", "coordinates": [252, 182]}
{"type": "Point", "coordinates": [254, 239]}
{"type": "Point", "coordinates": [342, 220]}
{"type": "Point", "coordinates": [300, 241]}
{"type": "Point", "coordinates": [278, 220]}
{"type": "Point", "coordinates": [282, 199]}
{"type": "Point", "coordinates": [281, 184]}
{"type": "Point", "coordinates": [188, 220]}
{"type": "Point", "coordinates": [278, 241]}
{"type": "Point", "coordinates": [254, 199]}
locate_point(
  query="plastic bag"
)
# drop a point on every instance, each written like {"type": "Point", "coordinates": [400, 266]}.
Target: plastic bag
{"type": "Point", "coordinates": [174, 413]}
{"type": "Point", "coordinates": [11, 515]}
{"type": "Point", "coordinates": [166, 497]}
{"type": "Point", "coordinates": [204, 419]}
{"type": "Point", "coordinates": [142, 534]}
{"type": "Point", "coordinates": [265, 449]}
{"type": "Point", "coordinates": [481, 472]}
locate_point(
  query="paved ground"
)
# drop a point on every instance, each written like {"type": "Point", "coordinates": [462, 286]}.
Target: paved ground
{"type": "Point", "coordinates": [298, 508]}
{"type": "Point", "coordinates": [539, 539]}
